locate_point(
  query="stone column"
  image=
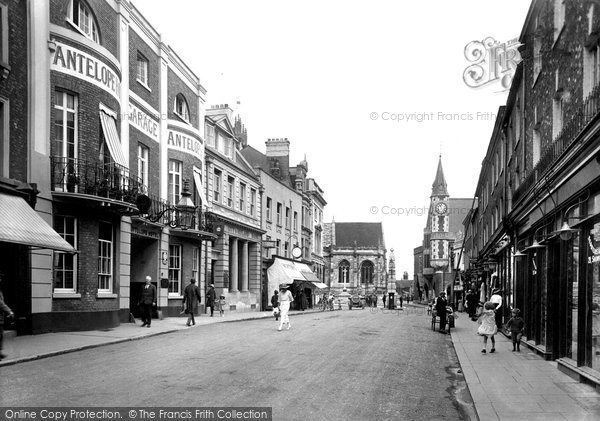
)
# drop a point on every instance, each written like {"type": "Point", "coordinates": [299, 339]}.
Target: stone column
{"type": "Point", "coordinates": [233, 267]}
{"type": "Point", "coordinates": [244, 279]}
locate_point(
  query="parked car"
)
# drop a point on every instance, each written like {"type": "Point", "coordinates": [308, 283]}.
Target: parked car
{"type": "Point", "coordinates": [357, 301]}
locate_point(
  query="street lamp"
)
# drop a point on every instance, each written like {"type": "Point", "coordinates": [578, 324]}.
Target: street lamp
{"type": "Point", "coordinates": [182, 215]}
{"type": "Point", "coordinates": [566, 232]}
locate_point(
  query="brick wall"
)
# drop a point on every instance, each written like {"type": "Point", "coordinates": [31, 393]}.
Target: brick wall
{"type": "Point", "coordinates": [136, 44]}
{"type": "Point", "coordinates": [14, 89]}
{"type": "Point", "coordinates": [106, 18]}
{"type": "Point", "coordinates": [177, 86]}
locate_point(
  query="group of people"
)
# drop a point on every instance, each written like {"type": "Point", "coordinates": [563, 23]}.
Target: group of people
{"type": "Point", "coordinates": [191, 299]}
{"type": "Point", "coordinates": [489, 318]}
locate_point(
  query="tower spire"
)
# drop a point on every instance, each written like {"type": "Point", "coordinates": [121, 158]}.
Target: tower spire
{"type": "Point", "coordinates": [439, 186]}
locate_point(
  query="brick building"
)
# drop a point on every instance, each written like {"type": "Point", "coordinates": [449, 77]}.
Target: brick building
{"type": "Point", "coordinates": [545, 249]}
{"type": "Point", "coordinates": [293, 206]}
{"type": "Point", "coordinates": [105, 127]}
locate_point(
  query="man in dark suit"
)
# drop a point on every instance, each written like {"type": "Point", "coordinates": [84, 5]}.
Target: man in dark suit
{"type": "Point", "coordinates": [147, 301]}
{"type": "Point", "coordinates": [440, 308]}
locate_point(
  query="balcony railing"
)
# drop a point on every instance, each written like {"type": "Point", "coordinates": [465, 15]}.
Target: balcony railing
{"type": "Point", "coordinates": [568, 135]}
{"type": "Point", "coordinates": [201, 221]}
{"type": "Point", "coordinates": [111, 181]}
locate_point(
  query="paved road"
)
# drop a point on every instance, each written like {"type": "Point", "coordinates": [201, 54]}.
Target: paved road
{"type": "Point", "coordinates": [343, 365]}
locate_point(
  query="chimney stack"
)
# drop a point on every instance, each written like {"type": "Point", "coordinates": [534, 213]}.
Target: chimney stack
{"type": "Point", "coordinates": [278, 150]}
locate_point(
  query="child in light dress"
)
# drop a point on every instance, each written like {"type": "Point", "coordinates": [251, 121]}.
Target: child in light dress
{"type": "Point", "coordinates": [487, 326]}
{"type": "Point", "coordinates": [222, 304]}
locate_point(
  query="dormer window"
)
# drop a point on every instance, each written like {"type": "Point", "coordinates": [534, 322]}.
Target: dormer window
{"type": "Point", "coordinates": [181, 108]}
{"type": "Point", "coordinates": [82, 18]}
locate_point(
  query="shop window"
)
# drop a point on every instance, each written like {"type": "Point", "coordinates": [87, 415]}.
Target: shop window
{"type": "Point", "coordinates": [105, 257]}
{"type": "Point", "coordinates": [181, 108]}
{"type": "Point", "coordinates": [65, 264]}
{"type": "Point", "coordinates": [81, 16]}
{"type": "Point", "coordinates": [174, 270]}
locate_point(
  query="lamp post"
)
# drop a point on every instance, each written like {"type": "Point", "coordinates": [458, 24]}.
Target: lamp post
{"type": "Point", "coordinates": [182, 215]}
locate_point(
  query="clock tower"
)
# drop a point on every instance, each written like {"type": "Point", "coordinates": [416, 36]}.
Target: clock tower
{"type": "Point", "coordinates": [439, 223]}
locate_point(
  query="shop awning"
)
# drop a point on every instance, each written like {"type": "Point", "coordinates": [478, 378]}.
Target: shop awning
{"type": "Point", "coordinates": [20, 224]}
{"type": "Point", "coordinates": [287, 271]}
{"type": "Point", "coordinates": [200, 189]}
{"type": "Point", "coordinates": [283, 272]}
{"type": "Point", "coordinates": [109, 128]}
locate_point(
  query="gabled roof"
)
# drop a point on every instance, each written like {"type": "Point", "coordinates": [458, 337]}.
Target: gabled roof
{"type": "Point", "coordinates": [256, 158]}
{"type": "Point", "coordinates": [365, 234]}
{"type": "Point", "coordinates": [223, 122]}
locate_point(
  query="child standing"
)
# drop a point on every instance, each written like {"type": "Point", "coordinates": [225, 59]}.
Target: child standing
{"type": "Point", "coordinates": [516, 325]}
{"type": "Point", "coordinates": [222, 304]}
{"type": "Point", "coordinates": [487, 326]}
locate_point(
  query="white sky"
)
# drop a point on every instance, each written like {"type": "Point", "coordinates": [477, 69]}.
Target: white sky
{"type": "Point", "coordinates": [314, 71]}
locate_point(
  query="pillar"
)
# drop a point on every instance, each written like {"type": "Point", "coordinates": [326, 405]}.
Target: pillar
{"type": "Point", "coordinates": [244, 279]}
{"type": "Point", "coordinates": [233, 267]}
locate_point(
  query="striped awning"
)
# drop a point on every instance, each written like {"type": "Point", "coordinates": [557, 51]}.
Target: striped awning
{"type": "Point", "coordinates": [20, 224]}
{"type": "Point", "coordinates": [200, 189]}
{"type": "Point", "coordinates": [109, 128]}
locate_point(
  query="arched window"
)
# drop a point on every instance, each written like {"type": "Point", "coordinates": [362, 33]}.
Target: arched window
{"type": "Point", "coordinates": [181, 108]}
{"type": "Point", "coordinates": [366, 272]}
{"type": "Point", "coordinates": [81, 16]}
{"type": "Point", "coordinates": [344, 272]}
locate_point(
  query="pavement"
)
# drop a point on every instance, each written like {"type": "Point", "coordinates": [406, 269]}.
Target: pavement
{"type": "Point", "coordinates": [504, 385]}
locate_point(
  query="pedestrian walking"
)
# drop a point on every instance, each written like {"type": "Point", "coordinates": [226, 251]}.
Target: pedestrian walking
{"type": "Point", "coordinates": [515, 326]}
{"type": "Point", "coordinates": [440, 308]}
{"type": "Point", "coordinates": [275, 304]}
{"type": "Point", "coordinates": [487, 327]}
{"type": "Point", "coordinates": [472, 301]}
{"type": "Point", "coordinates": [147, 302]}
{"type": "Point", "coordinates": [285, 300]}
{"type": "Point", "coordinates": [222, 304]}
{"type": "Point", "coordinates": [496, 299]}
{"type": "Point", "coordinates": [4, 310]}
{"type": "Point", "coordinates": [375, 300]}
{"type": "Point", "coordinates": [401, 301]}
{"type": "Point", "coordinates": [191, 297]}
{"type": "Point", "coordinates": [383, 298]}
{"type": "Point", "coordinates": [211, 297]}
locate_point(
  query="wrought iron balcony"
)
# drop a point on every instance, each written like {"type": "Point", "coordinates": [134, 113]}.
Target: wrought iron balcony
{"type": "Point", "coordinates": [111, 181]}
{"type": "Point", "coordinates": [159, 210]}
{"type": "Point", "coordinates": [568, 136]}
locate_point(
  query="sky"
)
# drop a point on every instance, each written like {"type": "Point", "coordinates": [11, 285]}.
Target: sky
{"type": "Point", "coordinates": [372, 92]}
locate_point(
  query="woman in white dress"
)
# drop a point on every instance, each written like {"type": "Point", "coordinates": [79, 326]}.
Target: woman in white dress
{"type": "Point", "coordinates": [285, 299]}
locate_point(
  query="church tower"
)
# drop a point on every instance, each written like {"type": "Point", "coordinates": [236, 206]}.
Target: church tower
{"type": "Point", "coordinates": [439, 222]}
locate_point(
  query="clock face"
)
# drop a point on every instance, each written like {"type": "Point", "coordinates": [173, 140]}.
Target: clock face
{"type": "Point", "coordinates": [441, 208]}
{"type": "Point", "coordinates": [296, 252]}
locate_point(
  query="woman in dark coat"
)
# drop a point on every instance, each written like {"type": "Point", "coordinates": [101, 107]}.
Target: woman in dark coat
{"type": "Point", "coordinates": [191, 298]}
